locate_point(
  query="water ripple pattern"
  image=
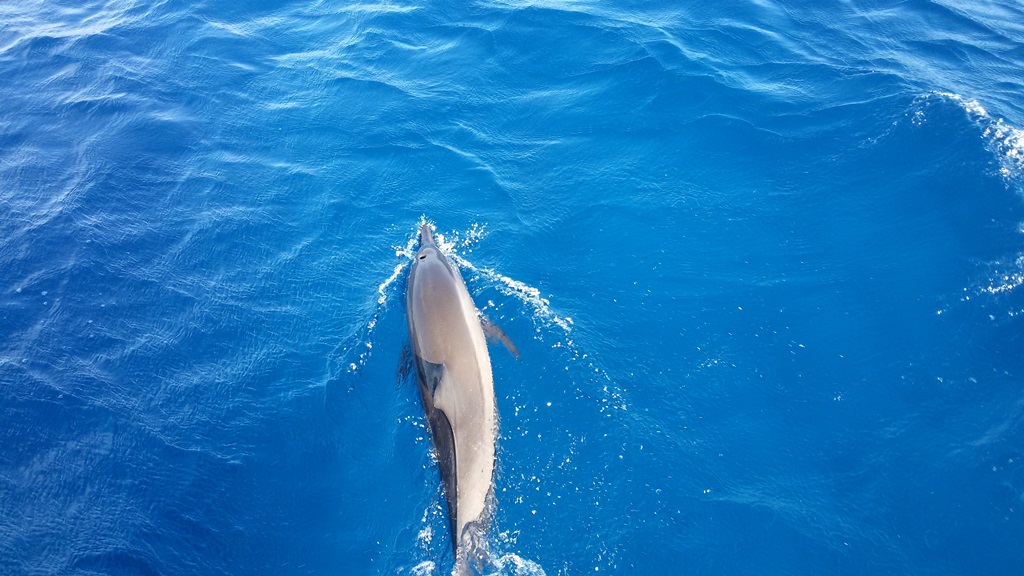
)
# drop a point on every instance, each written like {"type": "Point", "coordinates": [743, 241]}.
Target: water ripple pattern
{"type": "Point", "coordinates": [763, 262]}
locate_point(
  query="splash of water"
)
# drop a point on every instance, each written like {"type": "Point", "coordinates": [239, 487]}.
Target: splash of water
{"type": "Point", "coordinates": [384, 293]}
{"type": "Point", "coordinates": [543, 315]}
{"type": "Point", "coordinates": [452, 242]}
{"type": "Point", "coordinates": [1004, 140]}
{"type": "Point", "coordinates": [424, 568]}
{"type": "Point", "coordinates": [514, 565]}
{"type": "Point", "coordinates": [1007, 279]}
{"type": "Point", "coordinates": [525, 293]}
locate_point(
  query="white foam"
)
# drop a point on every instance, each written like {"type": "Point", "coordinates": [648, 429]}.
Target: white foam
{"type": "Point", "coordinates": [515, 565]}
{"type": "Point", "coordinates": [1008, 279]}
{"type": "Point", "coordinates": [1005, 141]}
{"type": "Point", "coordinates": [969, 105]}
{"type": "Point", "coordinates": [508, 286]}
{"type": "Point", "coordinates": [475, 233]}
{"type": "Point", "coordinates": [384, 291]}
{"type": "Point", "coordinates": [424, 568]}
{"type": "Point", "coordinates": [523, 292]}
{"type": "Point", "coordinates": [425, 536]}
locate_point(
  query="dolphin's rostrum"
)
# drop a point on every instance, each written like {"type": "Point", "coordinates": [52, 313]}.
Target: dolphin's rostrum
{"type": "Point", "coordinates": [453, 370]}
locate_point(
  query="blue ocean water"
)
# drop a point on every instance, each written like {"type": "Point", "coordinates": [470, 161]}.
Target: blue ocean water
{"type": "Point", "coordinates": [763, 261]}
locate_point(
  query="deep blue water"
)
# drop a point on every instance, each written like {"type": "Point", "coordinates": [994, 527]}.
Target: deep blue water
{"type": "Point", "coordinates": [764, 262]}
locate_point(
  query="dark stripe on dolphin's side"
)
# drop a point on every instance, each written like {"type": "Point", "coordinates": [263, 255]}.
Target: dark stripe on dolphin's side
{"type": "Point", "coordinates": [430, 375]}
{"type": "Point", "coordinates": [444, 445]}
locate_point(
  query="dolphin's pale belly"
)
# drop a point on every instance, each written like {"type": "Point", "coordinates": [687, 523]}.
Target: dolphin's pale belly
{"type": "Point", "coordinates": [446, 331]}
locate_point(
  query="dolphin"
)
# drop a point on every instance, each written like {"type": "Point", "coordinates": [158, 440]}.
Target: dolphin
{"type": "Point", "coordinates": [453, 370]}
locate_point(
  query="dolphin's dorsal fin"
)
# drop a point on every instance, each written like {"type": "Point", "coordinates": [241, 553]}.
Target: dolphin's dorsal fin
{"type": "Point", "coordinates": [495, 334]}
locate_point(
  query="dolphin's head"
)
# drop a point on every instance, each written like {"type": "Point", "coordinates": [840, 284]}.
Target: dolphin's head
{"type": "Point", "coordinates": [429, 252]}
{"type": "Point", "coordinates": [431, 295]}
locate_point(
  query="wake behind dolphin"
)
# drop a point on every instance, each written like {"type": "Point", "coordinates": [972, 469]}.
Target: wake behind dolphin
{"type": "Point", "coordinates": [453, 370]}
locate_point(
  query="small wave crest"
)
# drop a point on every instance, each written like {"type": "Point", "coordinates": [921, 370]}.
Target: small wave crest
{"type": "Point", "coordinates": [525, 293]}
{"type": "Point", "coordinates": [1004, 140]}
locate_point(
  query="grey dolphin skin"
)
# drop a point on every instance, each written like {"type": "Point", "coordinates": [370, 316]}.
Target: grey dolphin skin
{"type": "Point", "coordinates": [453, 370]}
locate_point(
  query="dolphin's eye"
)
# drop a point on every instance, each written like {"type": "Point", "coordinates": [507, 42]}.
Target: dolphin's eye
{"type": "Point", "coordinates": [422, 256]}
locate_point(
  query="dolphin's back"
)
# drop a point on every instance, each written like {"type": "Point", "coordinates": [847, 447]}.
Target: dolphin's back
{"type": "Point", "coordinates": [454, 373]}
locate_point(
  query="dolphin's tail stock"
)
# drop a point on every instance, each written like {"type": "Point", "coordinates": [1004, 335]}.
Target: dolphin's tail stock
{"type": "Point", "coordinates": [473, 558]}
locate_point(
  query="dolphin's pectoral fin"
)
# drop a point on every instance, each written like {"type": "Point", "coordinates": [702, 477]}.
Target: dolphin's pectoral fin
{"type": "Point", "coordinates": [444, 445]}
{"type": "Point", "coordinates": [495, 334]}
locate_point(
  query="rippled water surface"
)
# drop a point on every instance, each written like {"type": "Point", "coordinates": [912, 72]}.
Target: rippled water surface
{"type": "Point", "coordinates": [764, 263]}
